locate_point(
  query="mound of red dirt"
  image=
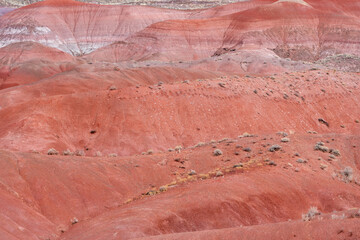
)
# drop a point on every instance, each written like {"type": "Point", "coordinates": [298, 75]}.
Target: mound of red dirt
{"type": "Point", "coordinates": [133, 119]}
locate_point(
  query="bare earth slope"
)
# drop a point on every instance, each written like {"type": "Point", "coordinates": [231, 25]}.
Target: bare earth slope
{"type": "Point", "coordinates": [76, 27]}
{"type": "Point", "coordinates": [178, 4]}
{"type": "Point", "coordinates": [133, 122]}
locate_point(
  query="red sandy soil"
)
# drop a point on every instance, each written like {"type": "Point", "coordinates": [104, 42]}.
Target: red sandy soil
{"type": "Point", "coordinates": [124, 85]}
{"type": "Point", "coordinates": [105, 193]}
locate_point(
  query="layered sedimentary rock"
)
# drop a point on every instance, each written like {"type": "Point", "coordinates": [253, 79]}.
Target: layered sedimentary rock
{"type": "Point", "coordinates": [178, 4]}
{"type": "Point", "coordinates": [78, 28]}
{"type": "Point", "coordinates": [290, 28]}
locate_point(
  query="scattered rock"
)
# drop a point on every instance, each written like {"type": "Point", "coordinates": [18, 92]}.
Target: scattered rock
{"type": "Point", "coordinates": [192, 172]}
{"type": "Point", "coordinates": [284, 140]}
{"type": "Point", "coordinates": [323, 122]}
{"type": "Point", "coordinates": [301, 161]}
{"type": "Point", "coordinates": [323, 166]}
{"type": "Point", "coordinates": [272, 163]}
{"type": "Point", "coordinates": [74, 221]}
{"type": "Point", "coordinates": [312, 132]}
{"type": "Point", "coordinates": [247, 149]}
{"type": "Point", "coordinates": [222, 85]}
{"type": "Point", "coordinates": [112, 88]}
{"type": "Point", "coordinates": [151, 193]}
{"type": "Point", "coordinates": [112, 155]}
{"type": "Point", "coordinates": [238, 165]}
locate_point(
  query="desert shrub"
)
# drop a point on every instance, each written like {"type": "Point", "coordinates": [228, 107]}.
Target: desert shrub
{"type": "Point", "coordinates": [347, 174]}
{"type": "Point", "coordinates": [163, 188]}
{"type": "Point", "coordinates": [335, 152]}
{"type": "Point", "coordinates": [223, 140]}
{"type": "Point", "coordinates": [320, 146]}
{"type": "Point", "coordinates": [52, 151]}
{"type": "Point", "coordinates": [204, 176]}
{"type": "Point", "coordinates": [67, 152]}
{"type": "Point", "coordinates": [323, 166]}
{"type": "Point", "coordinates": [178, 148]}
{"type": "Point", "coordinates": [74, 220]}
{"type": "Point", "coordinates": [219, 174]}
{"type": "Point", "coordinates": [200, 144]}
{"type": "Point", "coordinates": [311, 214]}
{"type": "Point", "coordinates": [284, 134]}
{"type": "Point", "coordinates": [217, 152]}
{"type": "Point", "coordinates": [245, 135]}
{"type": "Point", "coordinates": [338, 217]}
{"type": "Point", "coordinates": [274, 148]}
{"type": "Point", "coordinates": [79, 153]}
